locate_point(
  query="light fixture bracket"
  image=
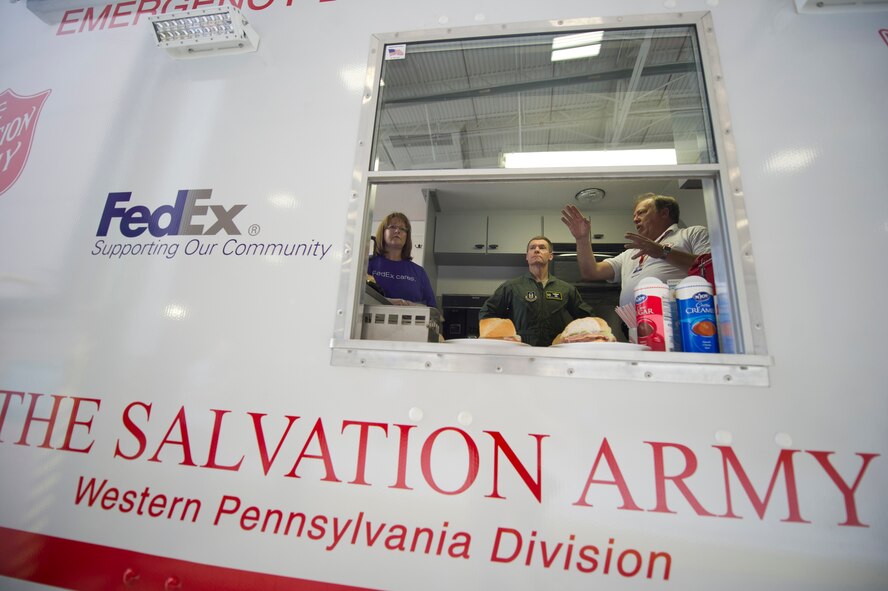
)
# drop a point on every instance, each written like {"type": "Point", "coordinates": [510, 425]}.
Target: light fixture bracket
{"type": "Point", "coordinates": [204, 32]}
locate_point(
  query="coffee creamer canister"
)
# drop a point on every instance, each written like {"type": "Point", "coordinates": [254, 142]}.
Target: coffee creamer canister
{"type": "Point", "coordinates": [696, 315]}
{"type": "Point", "coordinates": [653, 314]}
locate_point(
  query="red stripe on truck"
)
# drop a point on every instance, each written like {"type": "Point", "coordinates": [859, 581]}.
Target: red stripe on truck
{"type": "Point", "coordinates": [59, 562]}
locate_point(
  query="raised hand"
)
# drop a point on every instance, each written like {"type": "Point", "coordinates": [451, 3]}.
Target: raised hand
{"type": "Point", "coordinates": [579, 225]}
{"type": "Point", "coordinates": [645, 246]}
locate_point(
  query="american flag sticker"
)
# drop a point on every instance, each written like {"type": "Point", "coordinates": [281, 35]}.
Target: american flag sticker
{"type": "Point", "coordinates": [395, 52]}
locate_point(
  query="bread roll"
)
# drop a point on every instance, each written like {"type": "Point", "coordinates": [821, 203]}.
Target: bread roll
{"type": "Point", "coordinates": [586, 330]}
{"type": "Point", "coordinates": [496, 328]}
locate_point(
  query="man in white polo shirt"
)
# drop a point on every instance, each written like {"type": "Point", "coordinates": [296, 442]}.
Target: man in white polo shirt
{"type": "Point", "coordinates": [659, 248]}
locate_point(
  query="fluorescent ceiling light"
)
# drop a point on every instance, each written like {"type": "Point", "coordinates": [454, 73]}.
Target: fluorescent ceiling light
{"type": "Point", "coordinates": [574, 53]}
{"type": "Point", "coordinates": [590, 158]}
{"type": "Point", "coordinates": [565, 41]}
{"type": "Point", "coordinates": [571, 47]}
{"type": "Point", "coordinates": [204, 32]}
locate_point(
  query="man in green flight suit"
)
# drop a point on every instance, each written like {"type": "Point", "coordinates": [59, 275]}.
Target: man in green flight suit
{"type": "Point", "coordinates": [540, 305]}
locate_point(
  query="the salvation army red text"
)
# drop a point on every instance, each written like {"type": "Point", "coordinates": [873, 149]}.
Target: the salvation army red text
{"type": "Point", "coordinates": [509, 546]}
{"type": "Point", "coordinates": [447, 460]}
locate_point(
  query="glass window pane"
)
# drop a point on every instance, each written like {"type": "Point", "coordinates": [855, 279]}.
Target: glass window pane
{"type": "Point", "coordinates": [619, 97]}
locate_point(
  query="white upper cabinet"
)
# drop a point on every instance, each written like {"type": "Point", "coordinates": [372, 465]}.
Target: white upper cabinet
{"type": "Point", "coordinates": [461, 233]}
{"type": "Point", "coordinates": [510, 232]}
{"type": "Point", "coordinates": [478, 238]}
{"type": "Point", "coordinates": [607, 227]}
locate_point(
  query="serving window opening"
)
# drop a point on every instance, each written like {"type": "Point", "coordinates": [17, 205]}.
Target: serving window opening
{"type": "Point", "coordinates": [481, 137]}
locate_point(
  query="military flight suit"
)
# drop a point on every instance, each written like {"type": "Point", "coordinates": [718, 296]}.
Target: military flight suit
{"type": "Point", "coordinates": [539, 312]}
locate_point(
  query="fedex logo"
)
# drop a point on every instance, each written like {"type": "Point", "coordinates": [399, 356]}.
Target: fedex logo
{"type": "Point", "coordinates": [183, 217]}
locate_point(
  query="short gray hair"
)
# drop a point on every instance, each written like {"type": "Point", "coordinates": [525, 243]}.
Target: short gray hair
{"type": "Point", "coordinates": [549, 242]}
{"type": "Point", "coordinates": [662, 202]}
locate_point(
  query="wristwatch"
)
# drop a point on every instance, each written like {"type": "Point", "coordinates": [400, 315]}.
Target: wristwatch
{"type": "Point", "coordinates": [667, 248]}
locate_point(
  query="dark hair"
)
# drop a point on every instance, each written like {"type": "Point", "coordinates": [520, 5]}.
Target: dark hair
{"type": "Point", "coordinates": [662, 202]}
{"type": "Point", "coordinates": [380, 236]}
{"type": "Point", "coordinates": [549, 242]}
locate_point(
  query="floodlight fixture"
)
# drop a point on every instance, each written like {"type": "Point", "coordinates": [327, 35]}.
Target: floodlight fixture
{"type": "Point", "coordinates": [204, 32]}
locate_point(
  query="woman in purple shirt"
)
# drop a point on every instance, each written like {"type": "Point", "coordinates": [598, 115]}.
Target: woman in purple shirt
{"type": "Point", "coordinates": [402, 281]}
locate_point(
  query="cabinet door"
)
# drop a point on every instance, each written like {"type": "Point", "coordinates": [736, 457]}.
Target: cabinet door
{"type": "Point", "coordinates": [612, 227]}
{"type": "Point", "coordinates": [508, 233]}
{"type": "Point", "coordinates": [607, 227]}
{"type": "Point", "coordinates": [555, 230]}
{"type": "Point", "coordinates": [463, 233]}
{"type": "Point", "coordinates": [419, 247]}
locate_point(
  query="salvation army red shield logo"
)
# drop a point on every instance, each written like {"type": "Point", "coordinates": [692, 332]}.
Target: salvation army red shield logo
{"type": "Point", "coordinates": [18, 120]}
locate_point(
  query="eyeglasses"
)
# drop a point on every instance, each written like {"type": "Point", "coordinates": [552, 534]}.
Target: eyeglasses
{"type": "Point", "coordinates": [393, 227]}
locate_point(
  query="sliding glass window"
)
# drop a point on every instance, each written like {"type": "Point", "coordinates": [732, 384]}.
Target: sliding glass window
{"type": "Point", "coordinates": [588, 98]}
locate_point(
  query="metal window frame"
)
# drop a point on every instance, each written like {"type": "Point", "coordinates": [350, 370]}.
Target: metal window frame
{"type": "Point", "coordinates": [726, 218]}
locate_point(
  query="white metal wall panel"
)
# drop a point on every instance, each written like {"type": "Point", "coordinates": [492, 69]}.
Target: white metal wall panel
{"type": "Point", "coordinates": [276, 130]}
